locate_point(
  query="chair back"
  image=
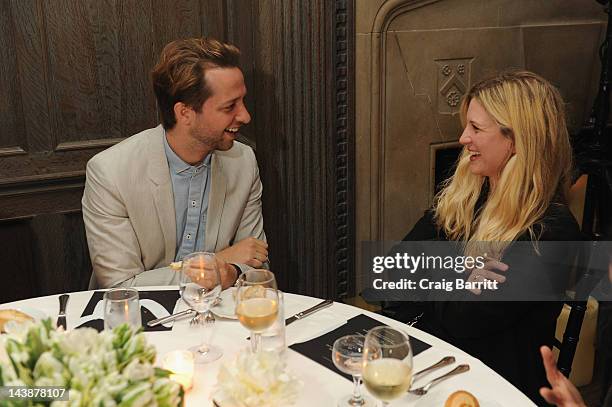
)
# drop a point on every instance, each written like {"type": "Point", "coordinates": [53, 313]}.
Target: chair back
{"type": "Point", "coordinates": [589, 271]}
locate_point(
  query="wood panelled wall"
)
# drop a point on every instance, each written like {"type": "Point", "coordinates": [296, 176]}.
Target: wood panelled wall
{"type": "Point", "coordinates": [74, 79]}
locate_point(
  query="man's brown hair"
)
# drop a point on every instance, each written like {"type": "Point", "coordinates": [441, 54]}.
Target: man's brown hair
{"type": "Point", "coordinates": [179, 76]}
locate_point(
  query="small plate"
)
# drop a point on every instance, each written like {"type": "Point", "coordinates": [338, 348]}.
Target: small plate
{"type": "Point", "coordinates": [35, 313]}
{"type": "Point", "coordinates": [227, 307]}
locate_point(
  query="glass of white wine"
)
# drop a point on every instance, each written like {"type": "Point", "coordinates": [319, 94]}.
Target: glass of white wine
{"type": "Point", "coordinates": [347, 354]}
{"type": "Point", "coordinates": [256, 303]}
{"type": "Point", "coordinates": [387, 363]}
{"type": "Point", "coordinates": [200, 285]}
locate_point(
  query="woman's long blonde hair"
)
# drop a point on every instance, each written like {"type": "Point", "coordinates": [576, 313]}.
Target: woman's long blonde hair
{"type": "Point", "coordinates": [529, 111]}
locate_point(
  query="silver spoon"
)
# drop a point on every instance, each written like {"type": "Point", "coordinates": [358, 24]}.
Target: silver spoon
{"type": "Point", "coordinates": [423, 390]}
{"type": "Point", "coordinates": [443, 362]}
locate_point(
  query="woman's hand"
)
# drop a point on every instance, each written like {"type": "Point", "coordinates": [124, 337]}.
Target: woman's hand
{"type": "Point", "coordinates": [490, 271]}
{"type": "Point", "coordinates": [563, 393]}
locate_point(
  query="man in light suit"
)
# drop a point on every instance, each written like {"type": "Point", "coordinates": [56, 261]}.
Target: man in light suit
{"type": "Point", "coordinates": [183, 186]}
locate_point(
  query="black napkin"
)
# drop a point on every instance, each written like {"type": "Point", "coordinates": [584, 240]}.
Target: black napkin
{"type": "Point", "coordinates": [320, 349]}
{"type": "Point", "coordinates": [166, 298]}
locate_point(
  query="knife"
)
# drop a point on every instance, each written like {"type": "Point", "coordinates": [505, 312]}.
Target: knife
{"type": "Point", "coordinates": [61, 317]}
{"type": "Point", "coordinates": [309, 311]}
{"type": "Point", "coordinates": [169, 318]}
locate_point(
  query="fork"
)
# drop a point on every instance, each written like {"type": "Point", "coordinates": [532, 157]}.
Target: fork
{"type": "Point", "coordinates": [424, 389]}
{"type": "Point", "coordinates": [209, 317]}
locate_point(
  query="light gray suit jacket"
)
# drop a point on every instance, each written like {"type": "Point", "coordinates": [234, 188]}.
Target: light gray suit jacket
{"type": "Point", "coordinates": [128, 209]}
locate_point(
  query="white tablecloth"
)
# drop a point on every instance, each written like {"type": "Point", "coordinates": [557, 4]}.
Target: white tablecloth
{"type": "Point", "coordinates": [322, 387]}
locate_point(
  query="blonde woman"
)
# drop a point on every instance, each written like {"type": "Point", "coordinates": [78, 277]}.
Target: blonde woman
{"type": "Point", "coordinates": [510, 184]}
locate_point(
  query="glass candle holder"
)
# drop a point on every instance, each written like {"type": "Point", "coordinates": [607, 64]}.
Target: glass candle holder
{"type": "Point", "coordinates": [180, 364]}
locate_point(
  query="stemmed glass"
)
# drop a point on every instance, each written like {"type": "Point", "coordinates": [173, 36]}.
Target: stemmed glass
{"type": "Point", "coordinates": [387, 363]}
{"type": "Point", "coordinates": [256, 303]}
{"type": "Point", "coordinates": [200, 285]}
{"type": "Point", "coordinates": [347, 353]}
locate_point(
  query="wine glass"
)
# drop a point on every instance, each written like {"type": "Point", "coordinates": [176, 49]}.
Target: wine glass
{"type": "Point", "coordinates": [200, 285]}
{"type": "Point", "coordinates": [387, 363]}
{"type": "Point", "coordinates": [347, 354]}
{"type": "Point", "coordinates": [256, 303]}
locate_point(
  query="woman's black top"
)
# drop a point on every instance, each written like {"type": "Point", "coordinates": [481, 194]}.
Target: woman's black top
{"type": "Point", "coordinates": [504, 335]}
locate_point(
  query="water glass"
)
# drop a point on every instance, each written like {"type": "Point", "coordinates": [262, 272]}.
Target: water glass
{"type": "Point", "coordinates": [273, 339]}
{"type": "Point", "coordinates": [387, 363]}
{"type": "Point", "coordinates": [121, 306]}
{"type": "Point", "coordinates": [200, 285]}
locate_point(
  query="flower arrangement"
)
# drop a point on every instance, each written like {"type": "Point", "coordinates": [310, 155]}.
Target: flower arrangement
{"type": "Point", "coordinates": [256, 379]}
{"type": "Point", "coordinates": [110, 368]}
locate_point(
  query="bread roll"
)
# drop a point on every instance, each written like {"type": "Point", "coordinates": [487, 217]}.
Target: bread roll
{"type": "Point", "coordinates": [461, 398]}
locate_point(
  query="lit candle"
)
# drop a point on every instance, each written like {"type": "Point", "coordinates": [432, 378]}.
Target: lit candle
{"type": "Point", "coordinates": [180, 365]}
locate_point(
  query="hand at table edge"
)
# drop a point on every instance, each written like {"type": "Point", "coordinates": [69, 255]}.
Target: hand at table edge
{"type": "Point", "coordinates": [563, 393]}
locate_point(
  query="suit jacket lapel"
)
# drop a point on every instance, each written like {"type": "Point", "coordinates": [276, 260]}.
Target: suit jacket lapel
{"type": "Point", "coordinates": [163, 197]}
{"type": "Point", "coordinates": [215, 204]}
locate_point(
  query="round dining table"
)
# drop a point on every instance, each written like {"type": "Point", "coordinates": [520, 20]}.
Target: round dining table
{"type": "Point", "coordinates": [320, 386]}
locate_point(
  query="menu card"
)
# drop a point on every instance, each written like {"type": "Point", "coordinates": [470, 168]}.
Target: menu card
{"type": "Point", "coordinates": [166, 298]}
{"type": "Point", "coordinates": [320, 349]}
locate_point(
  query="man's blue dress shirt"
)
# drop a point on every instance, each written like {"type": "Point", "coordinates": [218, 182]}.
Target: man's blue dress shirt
{"type": "Point", "coordinates": [191, 188]}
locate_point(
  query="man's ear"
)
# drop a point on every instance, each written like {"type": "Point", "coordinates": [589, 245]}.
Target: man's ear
{"type": "Point", "coordinates": [184, 114]}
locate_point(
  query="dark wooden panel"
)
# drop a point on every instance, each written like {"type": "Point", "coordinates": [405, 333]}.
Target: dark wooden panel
{"type": "Point", "coordinates": [41, 197]}
{"type": "Point", "coordinates": [240, 31]}
{"type": "Point", "coordinates": [45, 165]}
{"type": "Point", "coordinates": [18, 272]}
{"type": "Point", "coordinates": [43, 255]}
{"type": "Point", "coordinates": [11, 114]}
{"type": "Point", "coordinates": [175, 19]}
{"type": "Point", "coordinates": [302, 142]}
{"type": "Point", "coordinates": [272, 142]}
{"type": "Point", "coordinates": [103, 47]}
{"type": "Point", "coordinates": [29, 39]}
{"type": "Point", "coordinates": [137, 55]}
{"type": "Point", "coordinates": [214, 19]}
{"type": "Point", "coordinates": [60, 253]}
{"type": "Point", "coordinates": [84, 70]}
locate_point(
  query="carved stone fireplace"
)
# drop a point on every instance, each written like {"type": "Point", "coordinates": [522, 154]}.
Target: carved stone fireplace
{"type": "Point", "coordinates": [414, 61]}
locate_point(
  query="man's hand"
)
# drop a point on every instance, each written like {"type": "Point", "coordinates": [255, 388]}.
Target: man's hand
{"type": "Point", "coordinates": [228, 273]}
{"type": "Point", "coordinates": [563, 392]}
{"type": "Point", "coordinates": [250, 251]}
{"type": "Point", "coordinates": [487, 273]}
